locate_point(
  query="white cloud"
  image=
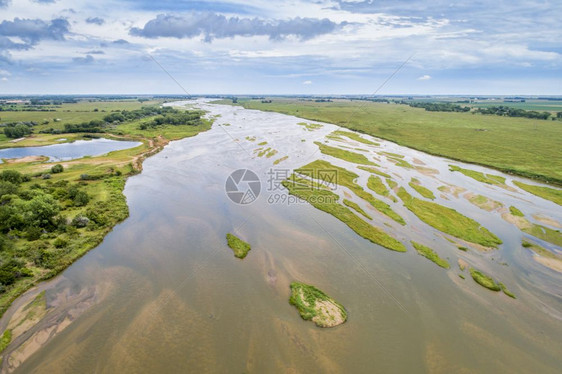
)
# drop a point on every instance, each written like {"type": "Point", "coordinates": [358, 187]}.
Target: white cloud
{"type": "Point", "coordinates": [4, 79]}
{"type": "Point", "coordinates": [307, 82]}
{"type": "Point", "coordinates": [424, 77]}
{"type": "Point", "coordinates": [4, 73]}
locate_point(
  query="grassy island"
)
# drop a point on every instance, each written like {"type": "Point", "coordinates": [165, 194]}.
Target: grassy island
{"type": "Point", "coordinates": [238, 246]}
{"type": "Point", "coordinates": [314, 305]}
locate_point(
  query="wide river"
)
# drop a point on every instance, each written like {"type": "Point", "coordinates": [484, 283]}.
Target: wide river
{"type": "Point", "coordinates": [163, 292]}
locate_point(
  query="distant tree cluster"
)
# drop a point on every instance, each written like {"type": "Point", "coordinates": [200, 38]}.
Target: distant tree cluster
{"type": "Point", "coordinates": [438, 107]}
{"type": "Point", "coordinates": [176, 118]}
{"type": "Point", "coordinates": [18, 129]}
{"type": "Point", "coordinates": [513, 112]}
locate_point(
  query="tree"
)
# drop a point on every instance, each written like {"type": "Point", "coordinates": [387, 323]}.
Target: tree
{"type": "Point", "coordinates": [12, 176]}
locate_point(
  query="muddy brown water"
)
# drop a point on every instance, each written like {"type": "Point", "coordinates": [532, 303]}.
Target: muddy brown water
{"type": "Point", "coordinates": [163, 293]}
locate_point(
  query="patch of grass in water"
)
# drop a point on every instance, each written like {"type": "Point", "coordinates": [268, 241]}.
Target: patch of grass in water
{"type": "Point", "coordinates": [326, 201]}
{"type": "Point", "coordinates": [251, 138]}
{"type": "Point", "coordinates": [310, 126]}
{"type": "Point", "coordinates": [425, 192]}
{"type": "Point", "coordinates": [393, 155]}
{"type": "Point", "coordinates": [506, 291]}
{"type": "Point", "coordinates": [342, 154]}
{"type": "Point", "coordinates": [540, 250]}
{"type": "Point", "coordinates": [357, 208]}
{"type": "Point", "coordinates": [279, 160]}
{"type": "Point", "coordinates": [347, 178]}
{"type": "Point", "coordinates": [354, 136]}
{"type": "Point", "coordinates": [375, 184]}
{"type": "Point", "coordinates": [314, 305]}
{"type": "Point", "coordinates": [449, 220]}
{"type": "Point", "coordinates": [271, 153]}
{"type": "Point", "coordinates": [545, 233]}
{"type": "Point", "coordinates": [516, 212]}
{"type": "Point", "coordinates": [431, 255]}
{"type": "Point", "coordinates": [374, 171]}
{"type": "Point", "coordinates": [485, 203]}
{"type": "Point", "coordinates": [484, 280]}
{"type": "Point", "coordinates": [262, 143]}
{"type": "Point", "coordinates": [479, 176]}
{"type": "Point", "coordinates": [547, 193]}
{"type": "Point", "coordinates": [464, 249]}
{"type": "Point", "coordinates": [391, 183]}
{"type": "Point", "coordinates": [238, 246]}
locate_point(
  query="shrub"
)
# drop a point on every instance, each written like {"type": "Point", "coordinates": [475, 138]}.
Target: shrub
{"type": "Point", "coordinates": [80, 221]}
{"type": "Point", "coordinates": [58, 168]}
{"type": "Point", "coordinates": [60, 243]}
{"type": "Point", "coordinates": [81, 198]}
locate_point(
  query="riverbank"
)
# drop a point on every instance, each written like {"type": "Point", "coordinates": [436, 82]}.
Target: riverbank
{"type": "Point", "coordinates": [81, 204]}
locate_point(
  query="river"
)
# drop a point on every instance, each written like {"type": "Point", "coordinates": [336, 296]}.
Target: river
{"type": "Point", "coordinates": [163, 292]}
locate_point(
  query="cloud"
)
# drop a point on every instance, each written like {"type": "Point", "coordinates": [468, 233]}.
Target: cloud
{"type": "Point", "coordinates": [95, 20]}
{"type": "Point", "coordinates": [96, 52]}
{"type": "Point", "coordinates": [4, 3]}
{"type": "Point", "coordinates": [44, 1]}
{"type": "Point", "coordinates": [83, 60]}
{"type": "Point", "coordinates": [212, 26]}
{"type": "Point", "coordinates": [5, 73]}
{"type": "Point", "coordinates": [4, 79]}
{"type": "Point", "coordinates": [120, 41]}
{"type": "Point", "coordinates": [307, 82]}
{"type": "Point", "coordinates": [34, 30]}
{"type": "Point", "coordinates": [424, 77]}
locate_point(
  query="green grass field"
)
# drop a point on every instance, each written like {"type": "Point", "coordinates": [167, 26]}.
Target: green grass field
{"type": "Point", "coordinates": [521, 146]}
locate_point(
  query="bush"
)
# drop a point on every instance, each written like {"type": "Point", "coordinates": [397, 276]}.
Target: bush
{"type": "Point", "coordinates": [33, 233]}
{"type": "Point", "coordinates": [80, 221]}
{"type": "Point", "coordinates": [60, 243]}
{"type": "Point", "coordinates": [46, 176]}
{"type": "Point", "coordinates": [81, 198]}
{"type": "Point", "coordinates": [12, 176]}
{"type": "Point", "coordinates": [58, 168]}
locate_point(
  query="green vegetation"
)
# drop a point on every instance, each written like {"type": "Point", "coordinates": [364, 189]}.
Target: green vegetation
{"type": "Point", "coordinates": [392, 155]}
{"type": "Point", "coordinates": [374, 171]}
{"type": "Point", "coordinates": [485, 203]}
{"type": "Point", "coordinates": [251, 138]}
{"type": "Point", "coordinates": [506, 291]}
{"type": "Point", "coordinates": [522, 146]}
{"type": "Point", "coordinates": [464, 249]}
{"type": "Point", "coordinates": [516, 212]}
{"type": "Point", "coordinates": [449, 220]}
{"type": "Point", "coordinates": [425, 192]}
{"type": "Point", "coordinates": [262, 143]}
{"type": "Point", "coordinates": [315, 305]}
{"type": "Point", "coordinates": [5, 340]}
{"type": "Point", "coordinates": [327, 201]}
{"type": "Point", "coordinates": [430, 254]}
{"type": "Point", "coordinates": [238, 246]}
{"type": "Point", "coordinates": [342, 154]}
{"type": "Point", "coordinates": [391, 183]}
{"type": "Point", "coordinates": [346, 178]}
{"type": "Point", "coordinates": [540, 250]}
{"type": "Point", "coordinates": [484, 280]}
{"type": "Point", "coordinates": [479, 176]}
{"type": "Point", "coordinates": [506, 111]}
{"type": "Point", "coordinates": [310, 126]}
{"type": "Point", "coordinates": [357, 208]}
{"type": "Point", "coordinates": [438, 107]}
{"type": "Point", "coordinates": [375, 184]}
{"type": "Point", "coordinates": [544, 233]}
{"type": "Point", "coordinates": [279, 160]}
{"type": "Point", "coordinates": [354, 136]}
{"type": "Point", "coordinates": [547, 193]}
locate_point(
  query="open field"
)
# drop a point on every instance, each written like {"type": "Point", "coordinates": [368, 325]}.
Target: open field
{"type": "Point", "coordinates": [515, 145]}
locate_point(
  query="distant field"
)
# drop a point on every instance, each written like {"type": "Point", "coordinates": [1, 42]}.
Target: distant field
{"type": "Point", "coordinates": [67, 113]}
{"type": "Point", "coordinates": [518, 145]}
{"type": "Point", "coordinates": [73, 113]}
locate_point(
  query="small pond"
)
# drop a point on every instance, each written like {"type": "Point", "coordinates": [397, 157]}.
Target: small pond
{"type": "Point", "coordinates": [70, 151]}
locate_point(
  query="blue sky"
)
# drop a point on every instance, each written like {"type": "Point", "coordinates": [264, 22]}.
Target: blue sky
{"type": "Point", "coordinates": [281, 47]}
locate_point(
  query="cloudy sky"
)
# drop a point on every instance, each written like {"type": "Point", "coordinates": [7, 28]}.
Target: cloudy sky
{"type": "Point", "coordinates": [281, 47]}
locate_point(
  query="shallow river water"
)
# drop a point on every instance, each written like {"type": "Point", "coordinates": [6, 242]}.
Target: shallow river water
{"type": "Point", "coordinates": [163, 292]}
